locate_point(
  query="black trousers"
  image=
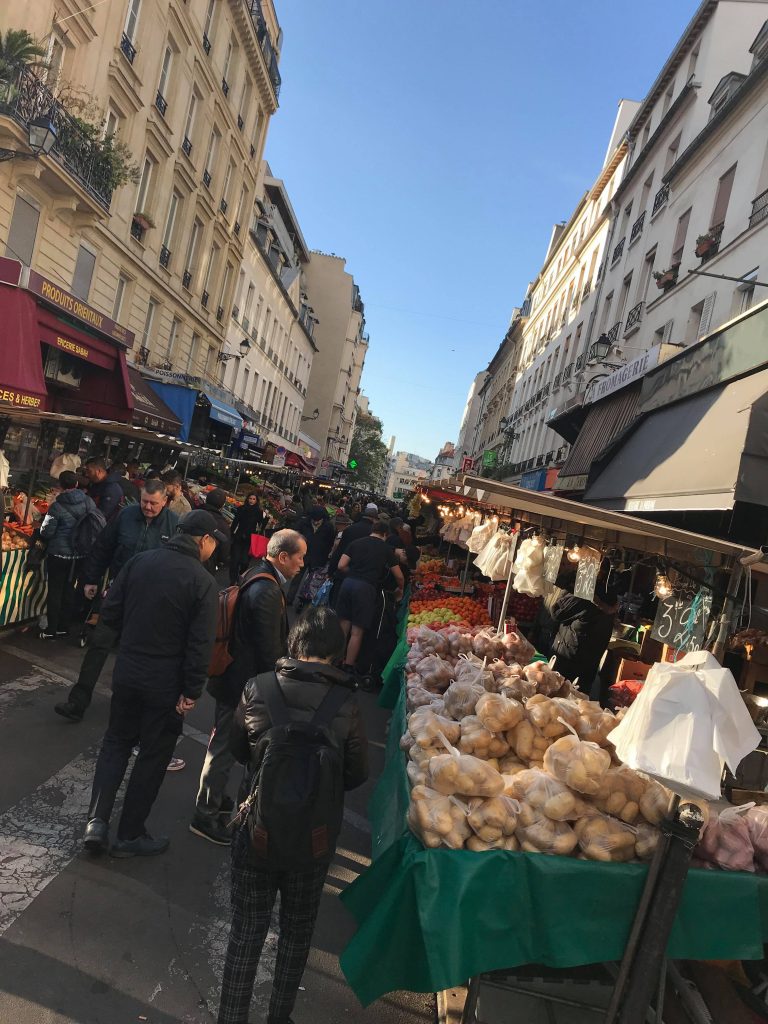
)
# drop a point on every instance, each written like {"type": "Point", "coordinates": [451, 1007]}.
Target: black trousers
{"type": "Point", "coordinates": [62, 573]}
{"type": "Point", "coordinates": [151, 720]}
{"type": "Point", "coordinates": [253, 897]}
{"type": "Point", "coordinates": [238, 558]}
{"type": "Point", "coordinates": [102, 642]}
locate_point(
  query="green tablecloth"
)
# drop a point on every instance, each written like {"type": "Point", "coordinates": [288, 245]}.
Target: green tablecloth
{"type": "Point", "coordinates": [22, 594]}
{"type": "Point", "coordinates": [430, 919]}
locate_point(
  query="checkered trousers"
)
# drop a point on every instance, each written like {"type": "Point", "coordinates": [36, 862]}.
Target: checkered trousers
{"type": "Point", "coordinates": [253, 897]}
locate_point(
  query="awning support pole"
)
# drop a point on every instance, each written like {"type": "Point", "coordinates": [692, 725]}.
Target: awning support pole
{"type": "Point", "coordinates": [465, 574]}
{"type": "Point", "coordinates": [239, 474]}
{"type": "Point", "coordinates": [507, 592]}
{"type": "Point", "coordinates": [726, 616]}
{"type": "Point", "coordinates": [186, 468]}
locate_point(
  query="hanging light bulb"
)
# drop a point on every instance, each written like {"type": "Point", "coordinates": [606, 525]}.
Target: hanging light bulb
{"type": "Point", "coordinates": [663, 587]}
{"type": "Point", "coordinates": [574, 553]}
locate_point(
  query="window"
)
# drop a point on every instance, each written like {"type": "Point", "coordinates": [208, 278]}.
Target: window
{"type": "Point", "coordinates": [606, 312]}
{"type": "Point", "coordinates": [23, 231]}
{"type": "Point", "coordinates": [83, 275]}
{"type": "Point", "coordinates": [244, 392]}
{"type": "Point", "coordinates": [646, 134]}
{"type": "Point", "coordinates": [144, 183]}
{"type": "Point", "coordinates": [149, 321]}
{"type": "Point", "coordinates": [111, 124]}
{"type": "Point", "coordinates": [667, 99]}
{"type": "Point", "coordinates": [225, 283]}
{"type": "Point", "coordinates": [194, 241]}
{"type": "Point", "coordinates": [645, 277]}
{"type": "Point", "coordinates": [55, 60]}
{"type": "Point", "coordinates": [210, 361]}
{"type": "Point", "coordinates": [173, 209]}
{"type": "Point", "coordinates": [228, 61]}
{"type": "Point", "coordinates": [165, 72]}
{"type": "Point", "coordinates": [245, 99]}
{"type": "Point", "coordinates": [724, 187]}
{"type": "Point", "coordinates": [122, 286]}
{"type": "Point", "coordinates": [672, 153]}
{"type": "Point", "coordinates": [744, 296]}
{"type": "Point", "coordinates": [189, 125]}
{"type": "Point", "coordinates": [248, 302]}
{"type": "Point", "coordinates": [700, 319]}
{"type": "Point", "coordinates": [212, 255]}
{"type": "Point", "coordinates": [679, 243]}
{"type": "Point", "coordinates": [132, 18]}
{"type": "Point", "coordinates": [208, 23]}
{"type": "Point", "coordinates": [645, 194]}
{"type": "Point", "coordinates": [172, 339]}
{"type": "Point", "coordinates": [227, 182]}
{"type": "Point", "coordinates": [210, 157]}
{"type": "Point", "coordinates": [692, 60]}
{"type": "Point", "coordinates": [194, 351]}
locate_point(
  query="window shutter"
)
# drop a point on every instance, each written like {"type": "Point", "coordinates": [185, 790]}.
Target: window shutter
{"type": "Point", "coordinates": [724, 187]}
{"type": "Point", "coordinates": [667, 331]}
{"type": "Point", "coordinates": [706, 314]}
{"type": "Point", "coordinates": [23, 231]}
{"type": "Point", "coordinates": [81, 279]}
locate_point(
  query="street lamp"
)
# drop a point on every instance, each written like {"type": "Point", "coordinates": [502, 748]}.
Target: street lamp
{"type": "Point", "coordinates": [42, 135]}
{"type": "Point", "coordinates": [245, 348]}
{"type": "Point", "coordinates": [314, 416]}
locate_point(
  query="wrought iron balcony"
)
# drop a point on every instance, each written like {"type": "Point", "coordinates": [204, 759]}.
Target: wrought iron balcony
{"type": "Point", "coordinates": [207, 179]}
{"type": "Point", "coordinates": [235, 312]}
{"type": "Point", "coordinates": [709, 244]}
{"type": "Point", "coordinates": [637, 228]}
{"type": "Point", "coordinates": [759, 209]}
{"type": "Point", "coordinates": [262, 33]}
{"type": "Point", "coordinates": [186, 146]}
{"type": "Point", "coordinates": [556, 381]}
{"type": "Point", "coordinates": [137, 230]}
{"type": "Point", "coordinates": [240, 122]}
{"type": "Point", "coordinates": [246, 323]}
{"type": "Point", "coordinates": [223, 205]}
{"type": "Point", "coordinates": [225, 86]}
{"type": "Point", "coordinates": [186, 279]}
{"type": "Point", "coordinates": [204, 300]}
{"type": "Point", "coordinates": [567, 371]}
{"type": "Point", "coordinates": [165, 256]}
{"type": "Point", "coordinates": [128, 49]}
{"type": "Point", "coordinates": [587, 289]}
{"type": "Point", "coordinates": [220, 313]}
{"type": "Point", "coordinates": [613, 334]}
{"type": "Point", "coordinates": [236, 227]}
{"type": "Point", "coordinates": [581, 362]}
{"type": "Point", "coordinates": [206, 43]}
{"type": "Point", "coordinates": [88, 161]}
{"type": "Point", "coordinates": [161, 103]}
{"type": "Point", "coordinates": [661, 197]}
{"type": "Point", "coordinates": [617, 252]}
{"type": "Point", "coordinates": [634, 316]}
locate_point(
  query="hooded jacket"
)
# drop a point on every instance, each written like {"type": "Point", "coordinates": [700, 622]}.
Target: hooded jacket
{"type": "Point", "coordinates": [108, 495]}
{"type": "Point", "coordinates": [320, 540]}
{"type": "Point", "coordinates": [259, 634]}
{"type": "Point", "coordinates": [125, 536]}
{"type": "Point", "coordinates": [164, 605]}
{"type": "Point", "coordinates": [58, 527]}
{"type": "Point", "coordinates": [304, 685]}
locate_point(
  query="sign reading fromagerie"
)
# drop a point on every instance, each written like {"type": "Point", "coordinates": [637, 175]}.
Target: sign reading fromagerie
{"type": "Point", "coordinates": [74, 307]}
{"type": "Point", "coordinates": [624, 375]}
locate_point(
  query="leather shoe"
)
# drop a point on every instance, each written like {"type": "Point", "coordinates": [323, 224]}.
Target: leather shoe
{"type": "Point", "coordinates": [143, 846]}
{"type": "Point", "coordinates": [96, 838]}
{"type": "Point", "coordinates": [69, 710]}
{"type": "Point", "coordinates": [214, 831]}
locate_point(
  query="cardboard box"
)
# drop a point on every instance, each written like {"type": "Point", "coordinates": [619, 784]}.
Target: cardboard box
{"type": "Point", "coordinates": [632, 670]}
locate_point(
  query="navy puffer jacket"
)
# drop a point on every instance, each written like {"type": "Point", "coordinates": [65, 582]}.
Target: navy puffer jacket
{"type": "Point", "coordinates": [58, 527]}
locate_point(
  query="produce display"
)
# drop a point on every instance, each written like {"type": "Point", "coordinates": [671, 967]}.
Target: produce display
{"type": "Point", "coordinates": [15, 537]}
{"type": "Point", "coordinates": [446, 609]}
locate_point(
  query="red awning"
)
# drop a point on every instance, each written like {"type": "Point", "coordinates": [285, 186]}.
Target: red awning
{"type": "Point", "coordinates": [298, 462]}
{"type": "Point", "coordinates": [22, 384]}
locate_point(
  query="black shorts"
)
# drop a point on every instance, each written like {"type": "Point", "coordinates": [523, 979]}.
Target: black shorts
{"type": "Point", "coordinates": [357, 602]}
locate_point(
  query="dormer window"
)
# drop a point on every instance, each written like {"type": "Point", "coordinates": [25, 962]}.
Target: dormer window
{"type": "Point", "coordinates": [759, 49]}
{"type": "Point", "coordinates": [726, 88]}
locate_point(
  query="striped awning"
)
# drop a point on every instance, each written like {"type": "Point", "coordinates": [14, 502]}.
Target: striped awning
{"type": "Point", "coordinates": [605, 421]}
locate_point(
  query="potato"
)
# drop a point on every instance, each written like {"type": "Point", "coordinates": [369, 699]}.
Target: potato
{"type": "Point", "coordinates": [425, 727]}
{"type": "Point", "coordinates": [581, 766]}
{"type": "Point", "coordinates": [604, 839]}
{"type": "Point", "coordinates": [463, 774]}
{"type": "Point", "coordinates": [498, 713]}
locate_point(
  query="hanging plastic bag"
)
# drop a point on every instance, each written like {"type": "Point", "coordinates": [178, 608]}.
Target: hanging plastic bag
{"type": "Point", "coordinates": [726, 841]}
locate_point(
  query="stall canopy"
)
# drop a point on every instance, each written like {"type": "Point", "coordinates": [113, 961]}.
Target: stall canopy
{"type": "Point", "coordinates": [180, 400]}
{"type": "Point", "coordinates": [223, 413]}
{"type": "Point", "coordinates": [605, 421]}
{"type": "Point", "coordinates": [149, 410]}
{"type": "Point", "coordinates": [704, 453]}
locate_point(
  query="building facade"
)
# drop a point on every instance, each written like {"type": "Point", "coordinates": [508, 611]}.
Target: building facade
{"type": "Point", "coordinates": [406, 471]}
{"type": "Point", "coordinates": [334, 380]}
{"type": "Point", "coordinates": [445, 461]}
{"type": "Point", "coordinates": [468, 426]}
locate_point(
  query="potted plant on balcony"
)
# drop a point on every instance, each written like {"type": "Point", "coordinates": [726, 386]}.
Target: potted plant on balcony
{"type": "Point", "coordinates": [665, 279]}
{"type": "Point", "coordinates": [144, 220]}
{"type": "Point", "coordinates": [706, 244]}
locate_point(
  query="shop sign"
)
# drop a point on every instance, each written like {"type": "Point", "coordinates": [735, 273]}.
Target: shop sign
{"type": "Point", "coordinates": [19, 399]}
{"type": "Point", "coordinates": [171, 377]}
{"type": "Point", "coordinates": [247, 440]}
{"type": "Point", "coordinates": [72, 347]}
{"type": "Point", "coordinates": [586, 578]}
{"type": "Point", "coordinates": [489, 459]}
{"type": "Point", "coordinates": [279, 459]}
{"type": "Point", "coordinates": [535, 480]}
{"type": "Point", "coordinates": [570, 483]}
{"type": "Point", "coordinates": [624, 375]}
{"type": "Point", "coordinates": [681, 620]}
{"type": "Point", "coordinates": [70, 304]}
{"type": "Point", "coordinates": [553, 556]}
{"type": "Point", "coordinates": [467, 464]}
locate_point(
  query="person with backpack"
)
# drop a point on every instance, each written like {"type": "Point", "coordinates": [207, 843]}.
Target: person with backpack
{"type": "Point", "coordinates": [104, 487]}
{"type": "Point", "coordinates": [300, 732]}
{"type": "Point", "coordinates": [253, 631]}
{"type": "Point", "coordinates": [69, 530]}
{"type": "Point", "coordinates": [136, 528]}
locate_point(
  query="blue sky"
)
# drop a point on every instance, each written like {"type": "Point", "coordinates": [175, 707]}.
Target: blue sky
{"type": "Point", "coordinates": [433, 143]}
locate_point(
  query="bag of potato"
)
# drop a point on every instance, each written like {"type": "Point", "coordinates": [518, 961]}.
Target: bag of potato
{"type": "Point", "coordinates": [537, 833]}
{"type": "Point", "coordinates": [437, 820]}
{"type": "Point", "coordinates": [464, 774]}
{"type": "Point", "coordinates": [513, 684]}
{"type": "Point", "coordinates": [431, 642]}
{"type": "Point", "coordinates": [551, 715]}
{"type": "Point", "coordinates": [416, 696]}
{"type": "Point", "coordinates": [655, 801]}
{"type": "Point", "coordinates": [509, 764]}
{"type": "Point", "coordinates": [603, 838]}
{"type": "Point", "coordinates": [498, 713]}
{"type": "Point", "coordinates": [426, 727]}
{"type": "Point", "coordinates": [620, 794]}
{"type": "Point", "coordinates": [646, 840]}
{"type": "Point", "coordinates": [757, 823]}
{"type": "Point", "coordinates": [726, 840]}
{"type": "Point", "coordinates": [529, 743]}
{"type": "Point", "coordinates": [461, 697]}
{"type": "Point", "coordinates": [417, 776]}
{"type": "Point", "coordinates": [581, 766]}
{"type": "Point", "coordinates": [493, 819]}
{"type": "Point", "coordinates": [517, 648]}
{"type": "Point", "coordinates": [593, 723]}
{"type": "Point", "coordinates": [476, 739]}
{"type": "Point", "coordinates": [436, 674]}
{"type": "Point", "coordinates": [505, 843]}
{"type": "Point", "coordinates": [547, 795]}
{"type": "Point", "coordinates": [544, 677]}
{"type": "Point", "coordinates": [420, 755]}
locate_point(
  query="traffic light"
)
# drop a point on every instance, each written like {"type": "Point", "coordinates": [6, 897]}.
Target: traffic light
{"type": "Point", "coordinates": [352, 464]}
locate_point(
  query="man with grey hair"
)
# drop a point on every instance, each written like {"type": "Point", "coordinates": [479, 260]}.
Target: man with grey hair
{"type": "Point", "coordinates": [259, 639]}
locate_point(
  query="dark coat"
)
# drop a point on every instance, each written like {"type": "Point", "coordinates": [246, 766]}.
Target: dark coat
{"type": "Point", "coordinates": [59, 524]}
{"type": "Point", "coordinates": [362, 528]}
{"type": "Point", "coordinates": [304, 685]}
{"type": "Point", "coordinates": [125, 536]}
{"type": "Point", "coordinates": [583, 633]}
{"type": "Point", "coordinates": [259, 634]}
{"type": "Point", "coordinates": [319, 541]}
{"type": "Point", "coordinates": [108, 495]}
{"type": "Point", "coordinates": [248, 519]}
{"type": "Point", "coordinates": [164, 605]}
{"type": "Point", "coordinates": [221, 554]}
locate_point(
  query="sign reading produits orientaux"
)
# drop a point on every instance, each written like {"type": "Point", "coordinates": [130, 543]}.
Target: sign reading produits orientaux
{"type": "Point", "coordinates": [74, 307]}
{"type": "Point", "coordinates": [624, 375]}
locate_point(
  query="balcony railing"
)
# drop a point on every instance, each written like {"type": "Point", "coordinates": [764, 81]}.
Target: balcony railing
{"type": "Point", "coordinates": [634, 316]}
{"type": "Point", "coordinates": [759, 209]}
{"type": "Point", "coordinates": [225, 86]}
{"type": "Point", "coordinates": [207, 179]}
{"type": "Point", "coordinates": [165, 256]}
{"type": "Point", "coordinates": [710, 244]}
{"type": "Point", "coordinates": [220, 313]}
{"type": "Point", "coordinates": [186, 146]}
{"type": "Point", "coordinates": [88, 161]}
{"type": "Point", "coordinates": [618, 251]}
{"type": "Point", "coordinates": [236, 227]}
{"type": "Point", "coordinates": [204, 300]}
{"type": "Point", "coordinates": [235, 312]}
{"type": "Point", "coordinates": [128, 49]}
{"type": "Point", "coordinates": [252, 151]}
{"type": "Point", "coordinates": [268, 51]}
{"type": "Point", "coordinates": [661, 197]}
{"type": "Point", "coordinates": [161, 103]}
{"type": "Point", "coordinates": [637, 228]}
{"type": "Point", "coordinates": [137, 230]}
{"type": "Point", "coordinates": [567, 371]}
{"type": "Point", "coordinates": [613, 334]}
{"type": "Point", "coordinates": [581, 362]}
{"type": "Point", "coordinates": [206, 43]}
{"type": "Point", "coordinates": [223, 205]}
{"type": "Point", "coordinates": [240, 122]}
{"type": "Point", "coordinates": [186, 279]}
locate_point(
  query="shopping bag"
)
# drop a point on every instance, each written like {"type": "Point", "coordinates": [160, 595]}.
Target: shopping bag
{"type": "Point", "coordinates": [311, 584]}
{"type": "Point", "coordinates": [258, 547]}
{"type": "Point", "coordinates": [323, 596]}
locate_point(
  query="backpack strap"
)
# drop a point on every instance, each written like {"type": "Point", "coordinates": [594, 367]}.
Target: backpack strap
{"type": "Point", "coordinates": [271, 693]}
{"type": "Point", "coordinates": [330, 706]}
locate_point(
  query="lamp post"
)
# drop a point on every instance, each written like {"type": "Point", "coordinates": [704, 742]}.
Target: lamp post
{"type": "Point", "coordinates": [42, 135]}
{"type": "Point", "coordinates": [244, 349]}
{"type": "Point", "coordinates": [314, 416]}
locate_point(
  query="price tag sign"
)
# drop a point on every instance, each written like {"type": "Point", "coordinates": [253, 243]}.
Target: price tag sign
{"type": "Point", "coordinates": [682, 619]}
{"type": "Point", "coordinates": [553, 556]}
{"type": "Point", "coordinates": [586, 577]}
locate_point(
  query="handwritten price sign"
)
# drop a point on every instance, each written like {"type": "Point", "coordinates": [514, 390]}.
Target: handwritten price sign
{"type": "Point", "coordinates": [586, 577]}
{"type": "Point", "coordinates": [553, 556]}
{"type": "Point", "coordinates": [682, 619]}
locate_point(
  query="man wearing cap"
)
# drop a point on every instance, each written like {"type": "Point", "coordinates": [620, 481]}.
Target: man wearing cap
{"type": "Point", "coordinates": [163, 605]}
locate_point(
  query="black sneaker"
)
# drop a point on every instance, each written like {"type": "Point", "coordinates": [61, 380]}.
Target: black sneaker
{"type": "Point", "coordinates": [143, 846]}
{"type": "Point", "coordinates": [69, 710]}
{"type": "Point", "coordinates": [96, 838]}
{"type": "Point", "coordinates": [213, 831]}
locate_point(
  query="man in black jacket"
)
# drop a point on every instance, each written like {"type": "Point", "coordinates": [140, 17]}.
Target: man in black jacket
{"type": "Point", "coordinates": [259, 638]}
{"type": "Point", "coordinates": [136, 528]}
{"type": "Point", "coordinates": [304, 677]}
{"type": "Point", "coordinates": [163, 606]}
{"type": "Point", "coordinates": [104, 488]}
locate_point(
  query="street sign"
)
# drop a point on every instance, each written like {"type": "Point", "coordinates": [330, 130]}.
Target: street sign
{"type": "Point", "coordinates": [489, 459]}
{"type": "Point", "coordinates": [352, 463]}
{"type": "Point", "coordinates": [467, 464]}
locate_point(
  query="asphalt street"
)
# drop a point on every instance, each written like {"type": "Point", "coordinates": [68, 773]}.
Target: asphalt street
{"type": "Point", "coordinates": [103, 941]}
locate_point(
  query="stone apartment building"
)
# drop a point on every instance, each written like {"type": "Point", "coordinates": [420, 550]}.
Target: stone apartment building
{"type": "Point", "coordinates": [406, 471]}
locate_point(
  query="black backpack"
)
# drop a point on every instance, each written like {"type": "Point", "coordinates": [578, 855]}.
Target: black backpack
{"type": "Point", "coordinates": [86, 530]}
{"type": "Point", "coordinates": [296, 804]}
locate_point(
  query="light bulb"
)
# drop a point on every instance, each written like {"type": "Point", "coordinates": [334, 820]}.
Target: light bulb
{"type": "Point", "coordinates": [663, 587]}
{"type": "Point", "coordinates": [574, 554]}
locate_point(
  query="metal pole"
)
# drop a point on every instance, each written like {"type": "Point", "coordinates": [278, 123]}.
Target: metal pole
{"type": "Point", "coordinates": [186, 468]}
{"type": "Point", "coordinates": [724, 623]}
{"type": "Point", "coordinates": [507, 592]}
{"type": "Point", "coordinates": [466, 573]}
{"type": "Point", "coordinates": [239, 474]}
